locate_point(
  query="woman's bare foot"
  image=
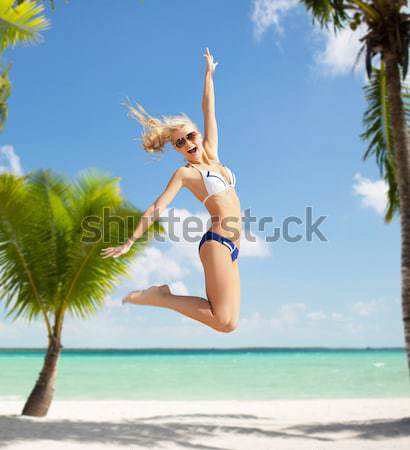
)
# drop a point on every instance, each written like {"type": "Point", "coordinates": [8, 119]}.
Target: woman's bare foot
{"type": "Point", "coordinates": [146, 296]}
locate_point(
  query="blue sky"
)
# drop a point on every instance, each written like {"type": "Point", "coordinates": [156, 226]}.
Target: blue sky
{"type": "Point", "coordinates": [289, 109]}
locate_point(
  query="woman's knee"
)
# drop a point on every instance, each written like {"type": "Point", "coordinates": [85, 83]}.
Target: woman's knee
{"type": "Point", "coordinates": [229, 327]}
{"type": "Point", "coordinates": [226, 322]}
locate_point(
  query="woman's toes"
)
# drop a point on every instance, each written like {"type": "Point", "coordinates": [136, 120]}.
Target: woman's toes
{"type": "Point", "coordinates": [147, 296]}
{"type": "Point", "coordinates": [132, 297]}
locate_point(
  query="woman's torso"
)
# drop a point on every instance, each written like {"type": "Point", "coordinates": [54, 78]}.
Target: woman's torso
{"type": "Point", "coordinates": [223, 205]}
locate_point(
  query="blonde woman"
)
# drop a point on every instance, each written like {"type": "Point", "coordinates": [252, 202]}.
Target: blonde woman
{"type": "Point", "coordinates": [213, 184]}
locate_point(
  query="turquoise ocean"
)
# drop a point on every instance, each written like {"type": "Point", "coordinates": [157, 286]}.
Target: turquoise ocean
{"type": "Point", "coordinates": [214, 374]}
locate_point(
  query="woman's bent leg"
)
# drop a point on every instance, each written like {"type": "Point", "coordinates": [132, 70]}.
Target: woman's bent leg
{"type": "Point", "coordinates": [221, 310]}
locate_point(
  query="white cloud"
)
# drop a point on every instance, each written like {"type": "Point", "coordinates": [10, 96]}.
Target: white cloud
{"type": "Point", "coordinates": [294, 317]}
{"type": "Point", "coordinates": [9, 161]}
{"type": "Point", "coordinates": [178, 288]}
{"type": "Point", "coordinates": [113, 303]}
{"type": "Point", "coordinates": [339, 51]}
{"type": "Point", "coordinates": [373, 193]}
{"type": "Point", "coordinates": [291, 313]}
{"type": "Point", "coordinates": [354, 327]}
{"type": "Point", "coordinates": [268, 13]}
{"type": "Point", "coordinates": [254, 322]}
{"type": "Point", "coordinates": [185, 249]}
{"type": "Point", "coordinates": [316, 316]}
{"type": "Point", "coordinates": [336, 53]}
{"type": "Point", "coordinates": [13, 330]}
{"type": "Point", "coordinates": [338, 317]}
{"type": "Point", "coordinates": [254, 249]}
{"type": "Point", "coordinates": [154, 264]}
{"type": "Point", "coordinates": [369, 308]}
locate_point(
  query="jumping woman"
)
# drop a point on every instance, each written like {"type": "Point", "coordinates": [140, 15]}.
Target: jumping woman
{"type": "Point", "coordinates": [213, 184]}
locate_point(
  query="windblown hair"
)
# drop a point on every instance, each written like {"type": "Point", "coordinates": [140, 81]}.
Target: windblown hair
{"type": "Point", "coordinates": [156, 132]}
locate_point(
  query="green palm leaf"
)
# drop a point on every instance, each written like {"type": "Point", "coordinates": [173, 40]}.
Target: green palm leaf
{"type": "Point", "coordinates": [378, 131]}
{"type": "Point", "coordinates": [21, 23]}
{"type": "Point", "coordinates": [51, 3]}
{"type": "Point", "coordinates": [327, 11]}
{"type": "Point", "coordinates": [51, 191]}
{"type": "Point", "coordinates": [23, 250]}
{"type": "Point", "coordinates": [89, 277]}
{"type": "Point", "coordinates": [5, 91]}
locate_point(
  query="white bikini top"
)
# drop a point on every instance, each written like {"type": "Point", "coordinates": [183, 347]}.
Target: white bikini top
{"type": "Point", "coordinates": [214, 181]}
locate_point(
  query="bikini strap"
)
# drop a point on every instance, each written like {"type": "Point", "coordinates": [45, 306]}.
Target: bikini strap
{"type": "Point", "coordinates": [197, 168]}
{"type": "Point", "coordinates": [206, 198]}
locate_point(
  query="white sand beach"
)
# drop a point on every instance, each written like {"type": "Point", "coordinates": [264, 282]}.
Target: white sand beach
{"type": "Point", "coordinates": [252, 425]}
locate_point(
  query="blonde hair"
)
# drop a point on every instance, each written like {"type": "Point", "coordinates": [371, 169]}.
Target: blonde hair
{"type": "Point", "coordinates": [156, 132]}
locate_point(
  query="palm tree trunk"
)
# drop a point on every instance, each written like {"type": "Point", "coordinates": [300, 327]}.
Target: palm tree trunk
{"type": "Point", "coordinates": [42, 394]}
{"type": "Point", "coordinates": [400, 134]}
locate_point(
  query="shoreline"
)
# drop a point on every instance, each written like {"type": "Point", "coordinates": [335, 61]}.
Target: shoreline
{"type": "Point", "coordinates": [211, 424]}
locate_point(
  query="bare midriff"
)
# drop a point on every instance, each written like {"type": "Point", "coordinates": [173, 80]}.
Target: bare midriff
{"type": "Point", "coordinates": [225, 211]}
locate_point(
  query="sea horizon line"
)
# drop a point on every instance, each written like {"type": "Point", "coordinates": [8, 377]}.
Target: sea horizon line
{"type": "Point", "coordinates": [199, 349]}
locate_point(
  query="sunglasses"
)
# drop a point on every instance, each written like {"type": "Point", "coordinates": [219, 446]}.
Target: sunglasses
{"type": "Point", "coordinates": [179, 143]}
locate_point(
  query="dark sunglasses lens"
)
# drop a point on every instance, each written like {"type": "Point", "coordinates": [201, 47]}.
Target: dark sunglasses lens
{"type": "Point", "coordinates": [180, 142]}
{"type": "Point", "coordinates": [191, 135]}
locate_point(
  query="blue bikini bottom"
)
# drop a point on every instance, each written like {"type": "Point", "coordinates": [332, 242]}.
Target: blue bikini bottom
{"type": "Point", "coordinates": [211, 235]}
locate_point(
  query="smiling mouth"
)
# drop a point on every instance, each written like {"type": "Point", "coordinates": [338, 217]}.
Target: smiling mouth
{"type": "Point", "coordinates": [192, 150]}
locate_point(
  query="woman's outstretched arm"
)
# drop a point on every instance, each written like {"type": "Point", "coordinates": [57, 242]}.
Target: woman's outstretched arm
{"type": "Point", "coordinates": [151, 214]}
{"type": "Point", "coordinates": [154, 211]}
{"type": "Point", "coordinates": [208, 108]}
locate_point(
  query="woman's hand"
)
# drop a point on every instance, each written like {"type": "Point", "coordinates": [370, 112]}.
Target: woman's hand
{"type": "Point", "coordinates": [210, 65]}
{"type": "Point", "coordinates": [115, 252]}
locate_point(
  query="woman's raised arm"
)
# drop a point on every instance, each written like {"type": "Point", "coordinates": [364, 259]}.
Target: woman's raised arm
{"type": "Point", "coordinates": [208, 108]}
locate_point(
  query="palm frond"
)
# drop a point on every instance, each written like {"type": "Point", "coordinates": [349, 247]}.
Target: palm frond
{"type": "Point", "coordinates": [328, 11]}
{"type": "Point", "coordinates": [24, 261]}
{"type": "Point", "coordinates": [378, 132]}
{"type": "Point", "coordinates": [96, 199]}
{"type": "Point", "coordinates": [5, 91]}
{"type": "Point", "coordinates": [50, 191]}
{"type": "Point", "coordinates": [50, 2]}
{"type": "Point", "coordinates": [21, 23]}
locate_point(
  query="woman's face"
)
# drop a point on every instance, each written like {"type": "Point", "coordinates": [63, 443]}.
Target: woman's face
{"type": "Point", "coordinates": [187, 140]}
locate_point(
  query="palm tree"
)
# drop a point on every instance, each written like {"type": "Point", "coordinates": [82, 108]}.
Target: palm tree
{"type": "Point", "coordinates": [388, 35]}
{"type": "Point", "coordinates": [51, 235]}
{"type": "Point", "coordinates": [20, 23]}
